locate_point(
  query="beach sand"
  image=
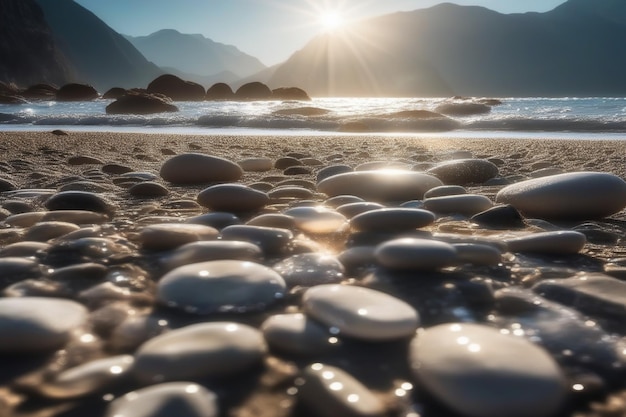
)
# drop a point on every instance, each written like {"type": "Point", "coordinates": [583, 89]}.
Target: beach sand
{"type": "Point", "coordinates": [41, 160]}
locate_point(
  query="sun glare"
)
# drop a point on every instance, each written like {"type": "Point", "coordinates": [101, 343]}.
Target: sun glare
{"type": "Point", "coordinates": [331, 20]}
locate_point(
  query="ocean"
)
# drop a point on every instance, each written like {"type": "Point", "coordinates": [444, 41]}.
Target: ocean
{"type": "Point", "coordinates": [567, 118]}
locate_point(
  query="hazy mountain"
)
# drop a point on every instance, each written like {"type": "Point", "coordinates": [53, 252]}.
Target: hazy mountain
{"type": "Point", "coordinates": [100, 56]}
{"type": "Point", "coordinates": [576, 49]}
{"type": "Point", "coordinates": [194, 54]}
{"type": "Point", "coordinates": [28, 54]}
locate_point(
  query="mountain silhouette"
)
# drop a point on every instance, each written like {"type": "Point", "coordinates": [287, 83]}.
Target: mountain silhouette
{"type": "Point", "coordinates": [575, 49]}
{"type": "Point", "coordinates": [99, 55]}
{"type": "Point", "coordinates": [195, 54]}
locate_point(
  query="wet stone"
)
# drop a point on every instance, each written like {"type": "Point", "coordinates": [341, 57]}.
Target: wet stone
{"type": "Point", "coordinates": [415, 254]}
{"type": "Point", "coordinates": [297, 334]}
{"type": "Point", "coordinates": [360, 313]}
{"type": "Point", "coordinates": [463, 365]}
{"type": "Point", "coordinates": [564, 242]}
{"type": "Point", "coordinates": [235, 198]}
{"type": "Point", "coordinates": [205, 350]}
{"type": "Point", "coordinates": [182, 399]}
{"type": "Point", "coordinates": [204, 251]}
{"type": "Point", "coordinates": [477, 254]}
{"type": "Point", "coordinates": [221, 286]}
{"type": "Point", "coordinates": [172, 235]}
{"type": "Point", "coordinates": [331, 391]}
{"type": "Point", "coordinates": [37, 324]}
{"type": "Point", "coordinates": [391, 220]}
{"type": "Point", "coordinates": [309, 269]}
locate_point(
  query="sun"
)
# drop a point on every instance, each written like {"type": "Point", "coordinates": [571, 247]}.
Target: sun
{"type": "Point", "coordinates": [331, 20]}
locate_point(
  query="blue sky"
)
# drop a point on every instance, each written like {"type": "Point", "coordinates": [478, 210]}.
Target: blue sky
{"type": "Point", "coordinates": [270, 30]}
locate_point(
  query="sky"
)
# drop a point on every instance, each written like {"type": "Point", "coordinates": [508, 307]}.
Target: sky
{"type": "Point", "coordinates": [270, 30]}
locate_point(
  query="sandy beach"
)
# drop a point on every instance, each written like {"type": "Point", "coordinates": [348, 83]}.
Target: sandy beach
{"type": "Point", "coordinates": [469, 286]}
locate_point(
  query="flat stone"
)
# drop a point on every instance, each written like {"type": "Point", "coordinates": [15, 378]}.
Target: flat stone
{"type": "Point", "coordinates": [564, 242]}
{"type": "Point", "coordinates": [14, 269]}
{"type": "Point", "coordinates": [235, 198]}
{"type": "Point", "coordinates": [445, 190]}
{"type": "Point", "coordinates": [340, 200]}
{"type": "Point", "coordinates": [309, 269]}
{"type": "Point", "coordinates": [172, 235]}
{"type": "Point", "coordinates": [220, 286]}
{"type": "Point", "coordinates": [148, 189]}
{"type": "Point", "coordinates": [331, 392]}
{"type": "Point", "coordinates": [503, 216]}
{"type": "Point", "coordinates": [204, 251]}
{"type": "Point", "coordinates": [80, 217]}
{"type": "Point", "coordinates": [297, 334]}
{"type": "Point", "coordinates": [205, 350]}
{"type": "Point", "coordinates": [477, 254]}
{"type": "Point", "coordinates": [258, 164]}
{"type": "Point", "coordinates": [290, 191]}
{"type": "Point", "coordinates": [571, 196]}
{"type": "Point", "coordinates": [272, 240]}
{"type": "Point", "coordinates": [273, 220]}
{"type": "Point", "coordinates": [216, 219]}
{"type": "Point", "coordinates": [464, 365]}
{"type": "Point", "coordinates": [591, 293]}
{"type": "Point", "coordinates": [414, 253]}
{"type": "Point", "coordinates": [38, 324]}
{"type": "Point", "coordinates": [197, 168]}
{"type": "Point", "coordinates": [332, 170]}
{"type": "Point", "coordinates": [318, 219]}
{"type": "Point", "coordinates": [380, 186]}
{"type": "Point", "coordinates": [180, 399]}
{"type": "Point", "coordinates": [44, 231]}
{"type": "Point", "coordinates": [391, 220]}
{"type": "Point", "coordinates": [80, 200]}
{"type": "Point", "coordinates": [23, 249]}
{"type": "Point", "coordinates": [465, 204]}
{"type": "Point", "coordinates": [360, 313]}
{"type": "Point", "coordinates": [353, 209]}
{"type": "Point", "coordinates": [464, 171]}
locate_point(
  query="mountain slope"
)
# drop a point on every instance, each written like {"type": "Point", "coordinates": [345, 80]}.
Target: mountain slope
{"type": "Point", "coordinates": [28, 54]}
{"type": "Point", "coordinates": [576, 49]}
{"type": "Point", "coordinates": [100, 55]}
{"type": "Point", "coordinates": [194, 54]}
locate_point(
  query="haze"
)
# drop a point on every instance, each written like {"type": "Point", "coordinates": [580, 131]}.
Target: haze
{"type": "Point", "coordinates": [270, 30]}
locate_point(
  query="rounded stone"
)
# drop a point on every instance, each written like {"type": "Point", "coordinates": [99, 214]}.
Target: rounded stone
{"type": "Point", "coordinates": [221, 286]}
{"type": "Point", "coordinates": [172, 235]}
{"type": "Point", "coordinates": [148, 189]}
{"type": "Point", "coordinates": [80, 200]}
{"type": "Point", "coordinates": [37, 324]}
{"type": "Point", "coordinates": [232, 198]}
{"type": "Point", "coordinates": [197, 168]}
{"type": "Point", "coordinates": [272, 240]}
{"type": "Point", "coordinates": [360, 313]}
{"type": "Point", "coordinates": [81, 217]}
{"type": "Point", "coordinates": [290, 191]}
{"type": "Point", "coordinates": [216, 219]}
{"type": "Point", "coordinates": [180, 399]}
{"type": "Point", "coordinates": [318, 219]}
{"type": "Point", "coordinates": [464, 171]}
{"type": "Point", "coordinates": [273, 220]}
{"type": "Point", "coordinates": [380, 186]}
{"type": "Point", "coordinates": [259, 164]}
{"type": "Point", "coordinates": [204, 350]}
{"type": "Point", "coordinates": [214, 250]}
{"type": "Point", "coordinates": [465, 365]}
{"type": "Point", "coordinates": [478, 254]}
{"type": "Point", "coordinates": [332, 170]}
{"type": "Point", "coordinates": [391, 220]}
{"type": "Point", "coordinates": [562, 242]}
{"type": "Point", "coordinates": [340, 200]}
{"type": "Point", "coordinates": [445, 190]}
{"type": "Point", "coordinates": [571, 196]}
{"type": "Point", "coordinates": [353, 209]}
{"type": "Point", "coordinates": [43, 231]}
{"type": "Point", "coordinates": [465, 204]}
{"type": "Point", "coordinates": [309, 269]}
{"type": "Point", "coordinates": [331, 392]}
{"type": "Point", "coordinates": [297, 334]}
{"type": "Point", "coordinates": [414, 253]}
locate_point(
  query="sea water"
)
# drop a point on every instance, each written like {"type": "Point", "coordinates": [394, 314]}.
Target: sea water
{"type": "Point", "coordinates": [582, 118]}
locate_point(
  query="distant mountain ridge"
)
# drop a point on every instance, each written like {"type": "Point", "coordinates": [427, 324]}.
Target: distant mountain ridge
{"type": "Point", "coordinates": [195, 54]}
{"type": "Point", "coordinates": [100, 56]}
{"type": "Point", "coordinates": [576, 49]}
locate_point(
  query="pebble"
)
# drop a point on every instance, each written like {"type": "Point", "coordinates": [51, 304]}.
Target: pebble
{"type": "Point", "coordinates": [80, 200]}
{"type": "Point", "coordinates": [380, 186]}
{"type": "Point", "coordinates": [445, 190]}
{"type": "Point", "coordinates": [415, 254]}
{"type": "Point", "coordinates": [205, 350]}
{"type": "Point", "coordinates": [566, 242]}
{"type": "Point", "coordinates": [571, 196]}
{"type": "Point", "coordinates": [23, 249]}
{"type": "Point", "coordinates": [331, 170]}
{"type": "Point", "coordinates": [197, 168]}
{"type": "Point", "coordinates": [350, 210]}
{"type": "Point", "coordinates": [282, 221]}
{"type": "Point", "coordinates": [331, 392]}
{"type": "Point", "coordinates": [258, 164]}
{"type": "Point", "coordinates": [80, 217]}
{"type": "Point", "coordinates": [477, 254]}
{"type": "Point", "coordinates": [37, 324]}
{"type": "Point", "coordinates": [290, 191]}
{"type": "Point", "coordinates": [44, 231]}
{"type": "Point", "coordinates": [464, 171]}
{"type": "Point", "coordinates": [181, 399]}
{"type": "Point", "coordinates": [214, 250]}
{"type": "Point", "coordinates": [318, 220]}
{"type": "Point", "coordinates": [272, 240]}
{"type": "Point", "coordinates": [503, 216]}
{"type": "Point", "coordinates": [221, 286]}
{"type": "Point", "coordinates": [167, 236]}
{"type": "Point", "coordinates": [309, 269]}
{"type": "Point", "coordinates": [360, 313]}
{"type": "Point", "coordinates": [216, 219]}
{"type": "Point", "coordinates": [465, 204]}
{"type": "Point", "coordinates": [14, 269]}
{"type": "Point", "coordinates": [340, 200]}
{"type": "Point", "coordinates": [234, 198]}
{"type": "Point", "coordinates": [148, 189]}
{"type": "Point", "coordinates": [391, 220]}
{"type": "Point", "coordinates": [464, 365]}
{"type": "Point", "coordinates": [297, 334]}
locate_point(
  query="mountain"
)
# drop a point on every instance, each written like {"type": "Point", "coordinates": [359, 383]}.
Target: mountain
{"type": "Point", "coordinates": [28, 53]}
{"type": "Point", "coordinates": [100, 56]}
{"type": "Point", "coordinates": [194, 54]}
{"type": "Point", "coordinates": [577, 49]}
